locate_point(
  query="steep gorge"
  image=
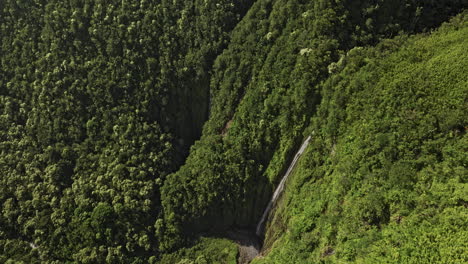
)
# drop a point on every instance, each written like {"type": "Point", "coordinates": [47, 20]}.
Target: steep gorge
{"type": "Point", "coordinates": [266, 85]}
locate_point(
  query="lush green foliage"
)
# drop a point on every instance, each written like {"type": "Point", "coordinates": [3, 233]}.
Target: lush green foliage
{"type": "Point", "coordinates": [101, 100]}
{"type": "Point", "coordinates": [205, 251]}
{"type": "Point", "coordinates": [385, 178]}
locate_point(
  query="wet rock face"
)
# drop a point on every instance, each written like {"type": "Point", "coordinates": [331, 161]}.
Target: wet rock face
{"type": "Point", "coordinates": [247, 254]}
{"type": "Point", "coordinates": [248, 243]}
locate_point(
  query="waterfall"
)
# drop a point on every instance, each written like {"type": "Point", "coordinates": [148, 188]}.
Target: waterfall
{"type": "Point", "coordinates": [280, 188]}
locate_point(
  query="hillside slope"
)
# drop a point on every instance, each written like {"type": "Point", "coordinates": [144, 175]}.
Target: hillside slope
{"type": "Point", "coordinates": [384, 179]}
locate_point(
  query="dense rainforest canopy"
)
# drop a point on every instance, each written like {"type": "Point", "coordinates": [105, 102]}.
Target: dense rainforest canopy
{"type": "Point", "coordinates": [128, 129]}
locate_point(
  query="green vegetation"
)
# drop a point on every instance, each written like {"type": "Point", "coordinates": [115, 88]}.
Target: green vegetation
{"type": "Point", "coordinates": [205, 251]}
{"type": "Point", "coordinates": [385, 179]}
{"type": "Point", "coordinates": [130, 128]}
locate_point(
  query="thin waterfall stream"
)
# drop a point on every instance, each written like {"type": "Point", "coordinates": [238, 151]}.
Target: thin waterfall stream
{"type": "Point", "coordinates": [249, 244]}
{"type": "Point", "coordinates": [279, 189]}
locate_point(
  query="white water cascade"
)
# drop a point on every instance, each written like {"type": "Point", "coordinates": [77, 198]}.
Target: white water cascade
{"type": "Point", "coordinates": [280, 188]}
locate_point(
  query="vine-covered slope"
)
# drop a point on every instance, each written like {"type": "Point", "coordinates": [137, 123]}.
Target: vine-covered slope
{"type": "Point", "coordinates": [384, 179]}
